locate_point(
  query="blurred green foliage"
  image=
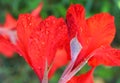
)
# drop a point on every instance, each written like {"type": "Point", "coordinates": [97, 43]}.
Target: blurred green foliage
{"type": "Point", "coordinates": [16, 70]}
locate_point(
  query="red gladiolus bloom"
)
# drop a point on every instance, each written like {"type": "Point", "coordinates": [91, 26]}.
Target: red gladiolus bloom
{"type": "Point", "coordinates": [8, 31]}
{"type": "Point", "coordinates": [8, 36]}
{"type": "Point", "coordinates": [95, 35]}
{"type": "Point", "coordinates": [43, 43]}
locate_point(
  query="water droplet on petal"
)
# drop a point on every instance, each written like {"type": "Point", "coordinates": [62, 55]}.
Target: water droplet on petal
{"type": "Point", "coordinates": [53, 21]}
{"type": "Point", "coordinates": [81, 29]}
{"type": "Point", "coordinates": [43, 43]}
{"type": "Point", "coordinates": [39, 67]}
{"type": "Point", "coordinates": [30, 24]}
{"type": "Point", "coordinates": [47, 32]}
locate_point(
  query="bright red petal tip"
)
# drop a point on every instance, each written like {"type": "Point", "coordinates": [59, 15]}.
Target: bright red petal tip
{"type": "Point", "coordinates": [84, 78]}
{"type": "Point", "coordinates": [10, 22]}
{"type": "Point", "coordinates": [37, 11]}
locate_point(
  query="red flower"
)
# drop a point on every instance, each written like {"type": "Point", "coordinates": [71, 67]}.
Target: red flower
{"type": "Point", "coordinates": [43, 43]}
{"type": "Point", "coordinates": [95, 35]}
{"type": "Point", "coordinates": [8, 36]}
{"type": "Point", "coordinates": [8, 31]}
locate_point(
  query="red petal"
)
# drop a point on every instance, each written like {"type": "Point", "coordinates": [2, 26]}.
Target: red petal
{"type": "Point", "coordinates": [105, 55]}
{"type": "Point", "coordinates": [40, 42]}
{"type": "Point", "coordinates": [10, 22]}
{"type": "Point", "coordinates": [6, 47]}
{"type": "Point", "coordinates": [84, 78]}
{"type": "Point", "coordinates": [37, 11]}
{"type": "Point", "coordinates": [26, 24]}
{"type": "Point", "coordinates": [57, 63]}
{"type": "Point", "coordinates": [76, 23]}
{"type": "Point", "coordinates": [102, 30]}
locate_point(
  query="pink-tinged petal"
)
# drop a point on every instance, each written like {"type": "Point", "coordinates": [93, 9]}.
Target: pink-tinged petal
{"type": "Point", "coordinates": [84, 78]}
{"type": "Point", "coordinates": [77, 24]}
{"type": "Point", "coordinates": [37, 11]}
{"type": "Point", "coordinates": [75, 47]}
{"type": "Point", "coordinates": [61, 59]}
{"type": "Point", "coordinates": [8, 33]}
{"type": "Point", "coordinates": [6, 47]}
{"type": "Point", "coordinates": [106, 56]}
{"type": "Point", "coordinates": [10, 22]}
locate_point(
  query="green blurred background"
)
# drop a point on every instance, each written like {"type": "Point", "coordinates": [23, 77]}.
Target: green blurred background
{"type": "Point", "coordinates": [16, 70]}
